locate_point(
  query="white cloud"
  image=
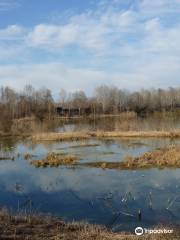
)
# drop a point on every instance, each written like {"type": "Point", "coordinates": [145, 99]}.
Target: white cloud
{"type": "Point", "coordinates": [52, 36]}
{"type": "Point", "coordinates": [6, 5]}
{"type": "Point", "coordinates": [129, 48]}
{"type": "Point", "coordinates": [106, 31]}
{"type": "Point", "coordinates": [12, 44]}
{"type": "Point", "coordinates": [56, 76]}
{"type": "Point", "coordinates": [52, 75]}
{"type": "Point", "coordinates": [12, 32]}
{"type": "Point", "coordinates": [11, 52]}
{"type": "Point", "coordinates": [91, 31]}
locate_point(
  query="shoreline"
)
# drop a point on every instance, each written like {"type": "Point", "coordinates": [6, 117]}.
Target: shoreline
{"type": "Point", "coordinates": [75, 136]}
{"type": "Point", "coordinates": [44, 227]}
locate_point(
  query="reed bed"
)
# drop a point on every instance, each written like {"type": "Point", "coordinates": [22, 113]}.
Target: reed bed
{"type": "Point", "coordinates": [74, 136]}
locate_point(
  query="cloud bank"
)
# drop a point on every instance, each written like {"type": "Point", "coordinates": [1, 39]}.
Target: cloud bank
{"type": "Point", "coordinates": [132, 47]}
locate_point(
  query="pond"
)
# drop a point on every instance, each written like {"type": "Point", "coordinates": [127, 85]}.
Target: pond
{"type": "Point", "coordinates": [109, 197]}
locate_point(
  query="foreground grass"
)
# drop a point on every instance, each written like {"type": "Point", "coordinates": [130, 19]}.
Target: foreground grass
{"type": "Point", "coordinates": [20, 227]}
{"type": "Point", "coordinates": [71, 136]}
{"type": "Point", "coordinates": [161, 158]}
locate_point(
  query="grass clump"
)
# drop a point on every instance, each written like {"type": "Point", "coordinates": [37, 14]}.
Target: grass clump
{"type": "Point", "coordinates": [164, 157]}
{"type": "Point", "coordinates": [55, 160]}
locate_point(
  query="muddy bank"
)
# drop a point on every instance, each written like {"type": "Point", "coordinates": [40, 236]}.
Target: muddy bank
{"type": "Point", "coordinates": [40, 227]}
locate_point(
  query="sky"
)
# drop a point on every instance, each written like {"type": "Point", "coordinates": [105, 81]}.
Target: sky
{"type": "Point", "coordinates": [79, 45]}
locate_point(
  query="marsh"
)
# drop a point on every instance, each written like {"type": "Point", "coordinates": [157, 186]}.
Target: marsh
{"type": "Point", "coordinates": [111, 197]}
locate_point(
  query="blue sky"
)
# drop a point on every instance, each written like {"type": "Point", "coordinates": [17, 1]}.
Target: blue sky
{"type": "Point", "coordinates": [77, 44]}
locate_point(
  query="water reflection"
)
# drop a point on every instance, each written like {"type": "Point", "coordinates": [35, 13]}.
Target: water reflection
{"type": "Point", "coordinates": [110, 197]}
{"type": "Point", "coordinates": [115, 123]}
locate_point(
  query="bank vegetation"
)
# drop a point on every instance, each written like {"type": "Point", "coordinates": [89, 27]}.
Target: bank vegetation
{"type": "Point", "coordinates": [41, 227]}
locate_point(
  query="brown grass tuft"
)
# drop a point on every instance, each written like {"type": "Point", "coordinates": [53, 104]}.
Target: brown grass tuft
{"type": "Point", "coordinates": [165, 157]}
{"type": "Point", "coordinates": [55, 160]}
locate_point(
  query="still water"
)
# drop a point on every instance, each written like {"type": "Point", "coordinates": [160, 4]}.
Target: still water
{"type": "Point", "coordinates": [109, 197]}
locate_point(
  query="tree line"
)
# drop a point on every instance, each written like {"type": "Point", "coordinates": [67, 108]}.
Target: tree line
{"type": "Point", "coordinates": [111, 100]}
{"type": "Point", "coordinates": [26, 103]}
{"type": "Point", "coordinates": [105, 100]}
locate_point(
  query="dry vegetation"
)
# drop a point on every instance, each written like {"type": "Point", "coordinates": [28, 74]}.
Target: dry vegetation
{"type": "Point", "coordinates": [73, 136]}
{"type": "Point", "coordinates": [55, 160]}
{"type": "Point", "coordinates": [126, 134]}
{"type": "Point", "coordinates": [165, 157]}
{"type": "Point", "coordinates": [20, 227]}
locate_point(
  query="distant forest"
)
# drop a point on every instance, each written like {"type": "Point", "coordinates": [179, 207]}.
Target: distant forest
{"type": "Point", "coordinates": [106, 100]}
